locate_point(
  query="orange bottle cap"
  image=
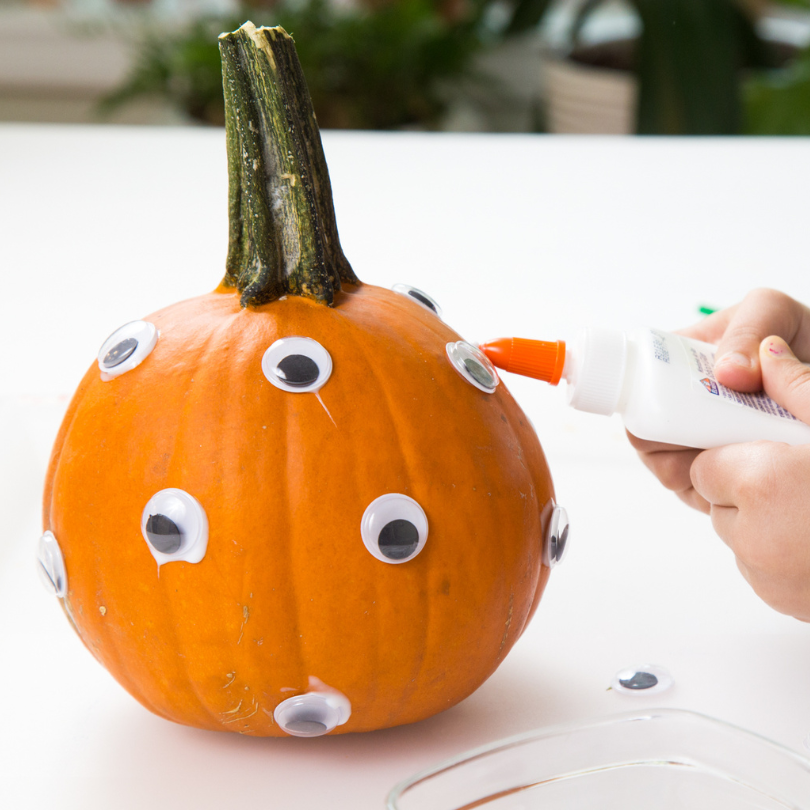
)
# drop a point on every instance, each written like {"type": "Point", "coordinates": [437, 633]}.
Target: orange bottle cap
{"type": "Point", "coordinates": [540, 359]}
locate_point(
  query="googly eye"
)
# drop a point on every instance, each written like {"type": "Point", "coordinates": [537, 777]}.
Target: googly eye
{"type": "Point", "coordinates": [297, 364]}
{"type": "Point", "coordinates": [394, 528]}
{"type": "Point", "coordinates": [126, 348]}
{"type": "Point", "coordinates": [175, 527]}
{"type": "Point", "coordinates": [420, 297]}
{"type": "Point", "coordinates": [473, 365]}
{"type": "Point", "coordinates": [312, 714]}
{"type": "Point", "coordinates": [556, 545]}
{"type": "Point", "coordinates": [51, 565]}
{"type": "Point", "coordinates": [646, 679]}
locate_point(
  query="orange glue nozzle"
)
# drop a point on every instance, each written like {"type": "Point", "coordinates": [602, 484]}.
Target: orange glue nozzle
{"type": "Point", "coordinates": [541, 359]}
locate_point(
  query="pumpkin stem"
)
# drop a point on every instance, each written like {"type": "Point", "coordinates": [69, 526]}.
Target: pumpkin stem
{"type": "Point", "coordinates": [283, 236]}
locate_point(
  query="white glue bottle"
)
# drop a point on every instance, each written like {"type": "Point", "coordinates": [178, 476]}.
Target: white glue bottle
{"type": "Point", "coordinates": [662, 384]}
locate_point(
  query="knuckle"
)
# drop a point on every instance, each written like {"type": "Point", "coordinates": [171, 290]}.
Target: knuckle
{"type": "Point", "coordinates": [767, 297]}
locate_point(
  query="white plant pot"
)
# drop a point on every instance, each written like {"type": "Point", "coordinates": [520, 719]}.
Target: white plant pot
{"type": "Point", "coordinates": [588, 100]}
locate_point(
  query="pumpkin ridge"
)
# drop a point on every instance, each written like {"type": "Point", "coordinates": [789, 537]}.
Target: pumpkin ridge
{"type": "Point", "coordinates": [412, 683]}
{"type": "Point", "coordinates": [196, 371]}
{"type": "Point", "coordinates": [259, 331]}
{"type": "Point", "coordinates": [301, 664]}
{"type": "Point", "coordinates": [59, 444]}
{"type": "Point", "coordinates": [90, 630]}
{"type": "Point", "coordinates": [447, 380]}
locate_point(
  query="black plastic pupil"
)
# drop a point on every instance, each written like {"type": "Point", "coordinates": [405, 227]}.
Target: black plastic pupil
{"type": "Point", "coordinates": [297, 369]}
{"type": "Point", "coordinates": [558, 544]}
{"type": "Point", "coordinates": [398, 539]}
{"type": "Point", "coordinates": [306, 726]}
{"type": "Point", "coordinates": [640, 680]}
{"type": "Point", "coordinates": [119, 352]}
{"type": "Point", "coordinates": [422, 299]}
{"type": "Point", "coordinates": [163, 534]}
{"type": "Point", "coordinates": [478, 372]}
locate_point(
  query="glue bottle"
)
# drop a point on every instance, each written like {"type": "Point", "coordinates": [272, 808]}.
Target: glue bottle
{"type": "Point", "coordinates": [662, 384]}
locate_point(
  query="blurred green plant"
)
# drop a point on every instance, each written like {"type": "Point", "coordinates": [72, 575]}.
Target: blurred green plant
{"type": "Point", "coordinates": [367, 68]}
{"type": "Point", "coordinates": [690, 59]}
{"type": "Point", "coordinates": [703, 68]}
{"type": "Point", "coordinates": [777, 102]}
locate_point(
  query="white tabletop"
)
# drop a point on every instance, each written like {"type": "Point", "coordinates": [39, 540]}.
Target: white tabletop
{"type": "Point", "coordinates": [526, 235]}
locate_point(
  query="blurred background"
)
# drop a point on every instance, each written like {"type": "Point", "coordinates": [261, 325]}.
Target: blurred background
{"type": "Point", "coordinates": [688, 67]}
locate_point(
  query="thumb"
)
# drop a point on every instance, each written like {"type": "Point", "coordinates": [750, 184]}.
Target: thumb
{"type": "Point", "coordinates": [785, 378]}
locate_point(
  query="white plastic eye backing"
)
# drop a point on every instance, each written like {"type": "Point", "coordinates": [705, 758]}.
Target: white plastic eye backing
{"type": "Point", "coordinates": [51, 565]}
{"type": "Point", "coordinates": [394, 528]}
{"type": "Point", "coordinates": [175, 527]}
{"type": "Point", "coordinates": [312, 714]}
{"type": "Point", "coordinates": [421, 298]}
{"type": "Point", "coordinates": [647, 679]}
{"type": "Point", "coordinates": [297, 364]}
{"type": "Point", "coordinates": [556, 545]}
{"type": "Point", "coordinates": [126, 348]}
{"type": "Point", "coordinates": [473, 365]}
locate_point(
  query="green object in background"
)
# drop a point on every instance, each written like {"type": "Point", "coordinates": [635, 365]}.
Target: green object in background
{"type": "Point", "coordinates": [707, 310]}
{"type": "Point", "coordinates": [778, 102]}
{"type": "Point", "coordinates": [702, 67]}
{"type": "Point", "coordinates": [689, 60]}
{"type": "Point", "coordinates": [366, 68]}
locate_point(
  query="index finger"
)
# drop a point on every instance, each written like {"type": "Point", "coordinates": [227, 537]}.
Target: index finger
{"type": "Point", "coordinates": [712, 328]}
{"type": "Point", "coordinates": [760, 313]}
{"type": "Point", "coordinates": [739, 330]}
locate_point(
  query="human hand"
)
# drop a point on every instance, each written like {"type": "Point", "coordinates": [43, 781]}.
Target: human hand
{"type": "Point", "coordinates": [737, 332]}
{"type": "Point", "coordinates": [756, 492]}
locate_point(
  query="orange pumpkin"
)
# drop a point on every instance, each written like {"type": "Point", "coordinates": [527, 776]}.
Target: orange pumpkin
{"type": "Point", "coordinates": [283, 507]}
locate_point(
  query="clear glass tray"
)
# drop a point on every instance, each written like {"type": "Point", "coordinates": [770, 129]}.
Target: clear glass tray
{"type": "Point", "coordinates": [660, 759]}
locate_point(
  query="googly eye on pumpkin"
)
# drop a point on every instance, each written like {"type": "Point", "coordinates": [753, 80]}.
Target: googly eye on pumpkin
{"type": "Point", "coordinates": [421, 298]}
{"type": "Point", "coordinates": [556, 545]}
{"type": "Point", "coordinates": [126, 348]}
{"type": "Point", "coordinates": [51, 565]}
{"type": "Point", "coordinates": [394, 528]}
{"type": "Point", "coordinates": [297, 364]}
{"type": "Point", "coordinates": [175, 527]}
{"type": "Point", "coordinates": [473, 365]}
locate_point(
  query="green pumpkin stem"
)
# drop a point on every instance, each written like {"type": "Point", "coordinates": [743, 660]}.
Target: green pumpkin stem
{"type": "Point", "coordinates": [283, 236]}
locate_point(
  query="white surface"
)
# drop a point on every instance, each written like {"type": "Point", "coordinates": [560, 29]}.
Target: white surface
{"type": "Point", "coordinates": [524, 235]}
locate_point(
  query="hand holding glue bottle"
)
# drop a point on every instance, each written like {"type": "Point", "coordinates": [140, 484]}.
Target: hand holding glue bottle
{"type": "Point", "coordinates": [661, 383]}
{"type": "Point", "coordinates": [703, 388]}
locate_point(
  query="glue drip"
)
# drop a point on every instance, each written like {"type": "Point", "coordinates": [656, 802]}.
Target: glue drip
{"type": "Point", "coordinates": [318, 395]}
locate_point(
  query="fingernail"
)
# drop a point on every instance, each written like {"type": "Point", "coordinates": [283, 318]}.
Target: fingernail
{"type": "Point", "coordinates": [776, 347]}
{"type": "Point", "coordinates": [734, 359]}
